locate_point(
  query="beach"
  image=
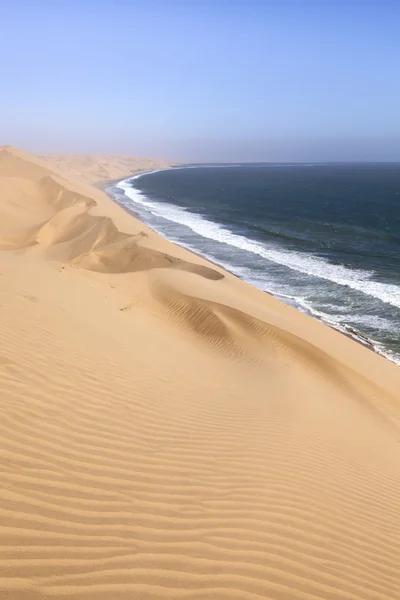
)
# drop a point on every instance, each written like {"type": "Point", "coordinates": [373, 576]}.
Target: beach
{"type": "Point", "coordinates": [168, 430]}
{"type": "Point", "coordinates": [323, 238]}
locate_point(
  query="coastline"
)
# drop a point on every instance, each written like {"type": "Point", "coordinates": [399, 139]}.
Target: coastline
{"type": "Point", "coordinates": [171, 431]}
{"type": "Point", "coordinates": [346, 330]}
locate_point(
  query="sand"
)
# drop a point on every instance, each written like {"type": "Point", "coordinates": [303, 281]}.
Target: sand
{"type": "Point", "coordinates": [93, 169]}
{"type": "Point", "coordinates": [170, 432]}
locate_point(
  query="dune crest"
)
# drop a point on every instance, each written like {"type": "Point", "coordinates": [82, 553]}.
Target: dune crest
{"type": "Point", "coordinates": [62, 217]}
{"type": "Point", "coordinates": [167, 430]}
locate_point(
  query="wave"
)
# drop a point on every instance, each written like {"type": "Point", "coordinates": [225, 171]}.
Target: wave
{"type": "Point", "coordinates": [351, 324]}
{"type": "Point", "coordinates": [311, 265]}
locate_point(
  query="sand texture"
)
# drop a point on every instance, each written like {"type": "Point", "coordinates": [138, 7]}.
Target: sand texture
{"type": "Point", "coordinates": [170, 432]}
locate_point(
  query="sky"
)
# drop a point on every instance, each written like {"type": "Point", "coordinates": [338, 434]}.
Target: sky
{"type": "Point", "coordinates": [221, 80]}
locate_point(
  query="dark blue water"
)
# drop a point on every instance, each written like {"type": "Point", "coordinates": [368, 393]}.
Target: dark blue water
{"type": "Point", "coordinates": [324, 238]}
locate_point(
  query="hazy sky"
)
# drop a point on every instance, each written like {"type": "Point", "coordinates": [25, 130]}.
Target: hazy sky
{"type": "Point", "coordinates": [203, 80]}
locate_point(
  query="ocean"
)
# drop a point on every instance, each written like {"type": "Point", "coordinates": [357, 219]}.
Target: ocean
{"type": "Point", "coordinates": [324, 238]}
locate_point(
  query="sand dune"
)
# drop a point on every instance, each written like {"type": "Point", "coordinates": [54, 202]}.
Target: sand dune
{"type": "Point", "coordinates": [168, 431]}
{"type": "Point", "coordinates": [92, 168]}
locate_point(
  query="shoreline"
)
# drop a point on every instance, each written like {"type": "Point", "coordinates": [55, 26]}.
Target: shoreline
{"type": "Point", "coordinates": [167, 422]}
{"type": "Point", "coordinates": [347, 331]}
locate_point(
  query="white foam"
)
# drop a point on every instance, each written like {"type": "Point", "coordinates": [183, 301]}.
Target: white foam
{"type": "Point", "coordinates": [380, 349]}
{"type": "Point", "coordinates": [314, 266]}
{"type": "Point", "coordinates": [373, 321]}
{"type": "Point", "coordinates": [348, 323]}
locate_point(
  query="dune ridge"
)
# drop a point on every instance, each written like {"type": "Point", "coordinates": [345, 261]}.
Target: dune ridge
{"type": "Point", "coordinates": [167, 430]}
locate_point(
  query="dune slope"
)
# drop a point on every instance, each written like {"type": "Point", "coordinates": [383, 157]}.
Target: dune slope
{"type": "Point", "coordinates": [168, 431]}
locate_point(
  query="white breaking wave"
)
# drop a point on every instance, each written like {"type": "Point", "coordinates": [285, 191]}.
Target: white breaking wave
{"type": "Point", "coordinates": [373, 321]}
{"type": "Point", "coordinates": [314, 266]}
{"type": "Point", "coordinates": [348, 323]}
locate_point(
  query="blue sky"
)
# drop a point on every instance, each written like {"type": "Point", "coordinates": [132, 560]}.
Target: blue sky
{"type": "Point", "coordinates": [202, 80]}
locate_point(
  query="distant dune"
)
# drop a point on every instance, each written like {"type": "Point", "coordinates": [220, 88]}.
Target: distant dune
{"type": "Point", "coordinates": [93, 169]}
{"type": "Point", "coordinates": [167, 430]}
